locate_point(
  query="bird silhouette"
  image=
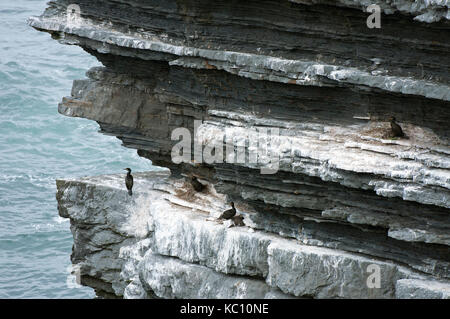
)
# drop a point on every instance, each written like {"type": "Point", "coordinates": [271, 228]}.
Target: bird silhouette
{"type": "Point", "coordinates": [238, 220]}
{"type": "Point", "coordinates": [129, 181]}
{"type": "Point", "coordinates": [196, 184]}
{"type": "Point", "coordinates": [228, 213]}
{"type": "Point", "coordinates": [395, 128]}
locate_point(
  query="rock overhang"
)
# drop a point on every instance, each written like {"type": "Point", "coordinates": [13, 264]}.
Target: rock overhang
{"type": "Point", "coordinates": [341, 184]}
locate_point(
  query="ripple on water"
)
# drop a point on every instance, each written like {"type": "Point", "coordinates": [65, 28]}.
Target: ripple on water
{"type": "Point", "coordinates": [37, 145]}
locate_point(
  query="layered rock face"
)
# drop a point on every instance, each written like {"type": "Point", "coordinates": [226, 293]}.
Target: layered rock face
{"type": "Point", "coordinates": [334, 207]}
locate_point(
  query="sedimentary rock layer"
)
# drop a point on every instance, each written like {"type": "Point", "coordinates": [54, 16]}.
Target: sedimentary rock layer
{"type": "Point", "coordinates": [315, 86]}
{"type": "Point", "coordinates": [301, 42]}
{"type": "Point", "coordinates": [171, 245]}
{"type": "Point", "coordinates": [395, 190]}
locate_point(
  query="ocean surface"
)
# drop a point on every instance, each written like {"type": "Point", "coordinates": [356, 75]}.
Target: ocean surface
{"type": "Point", "coordinates": [38, 145]}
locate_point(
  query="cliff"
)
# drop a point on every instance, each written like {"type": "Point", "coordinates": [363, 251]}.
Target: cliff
{"type": "Point", "coordinates": [330, 197]}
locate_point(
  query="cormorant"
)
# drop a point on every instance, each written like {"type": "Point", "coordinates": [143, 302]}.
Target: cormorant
{"type": "Point", "coordinates": [196, 184]}
{"type": "Point", "coordinates": [228, 213]}
{"type": "Point", "coordinates": [129, 181]}
{"type": "Point", "coordinates": [238, 220]}
{"type": "Point", "coordinates": [396, 129]}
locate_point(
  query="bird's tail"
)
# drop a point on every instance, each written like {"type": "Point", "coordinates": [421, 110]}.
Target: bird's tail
{"type": "Point", "coordinates": [130, 192]}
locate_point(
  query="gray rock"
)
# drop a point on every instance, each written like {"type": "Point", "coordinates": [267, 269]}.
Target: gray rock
{"type": "Point", "coordinates": [422, 289]}
{"type": "Point", "coordinates": [344, 197]}
{"type": "Point", "coordinates": [172, 278]}
{"type": "Point", "coordinates": [160, 221]}
{"type": "Point", "coordinates": [324, 273]}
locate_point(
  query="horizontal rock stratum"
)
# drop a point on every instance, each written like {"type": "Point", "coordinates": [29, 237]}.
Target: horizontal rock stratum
{"type": "Point", "coordinates": [158, 242]}
{"type": "Point", "coordinates": [319, 87]}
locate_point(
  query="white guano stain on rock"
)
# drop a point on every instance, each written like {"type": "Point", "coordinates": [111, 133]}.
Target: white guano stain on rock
{"type": "Point", "coordinates": [186, 254]}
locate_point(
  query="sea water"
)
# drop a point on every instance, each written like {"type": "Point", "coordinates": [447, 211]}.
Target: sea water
{"type": "Point", "coordinates": [38, 145]}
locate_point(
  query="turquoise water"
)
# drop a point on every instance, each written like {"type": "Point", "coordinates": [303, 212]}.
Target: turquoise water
{"type": "Point", "coordinates": [38, 145]}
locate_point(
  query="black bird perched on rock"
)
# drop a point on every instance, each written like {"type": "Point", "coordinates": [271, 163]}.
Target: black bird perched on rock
{"type": "Point", "coordinates": [129, 181]}
{"type": "Point", "coordinates": [196, 184]}
{"type": "Point", "coordinates": [396, 129]}
{"type": "Point", "coordinates": [238, 220]}
{"type": "Point", "coordinates": [228, 213]}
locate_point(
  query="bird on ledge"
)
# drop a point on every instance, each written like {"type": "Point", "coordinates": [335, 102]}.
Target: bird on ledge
{"type": "Point", "coordinates": [228, 213]}
{"type": "Point", "coordinates": [238, 220]}
{"type": "Point", "coordinates": [395, 128]}
{"type": "Point", "coordinates": [129, 181]}
{"type": "Point", "coordinates": [196, 184]}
